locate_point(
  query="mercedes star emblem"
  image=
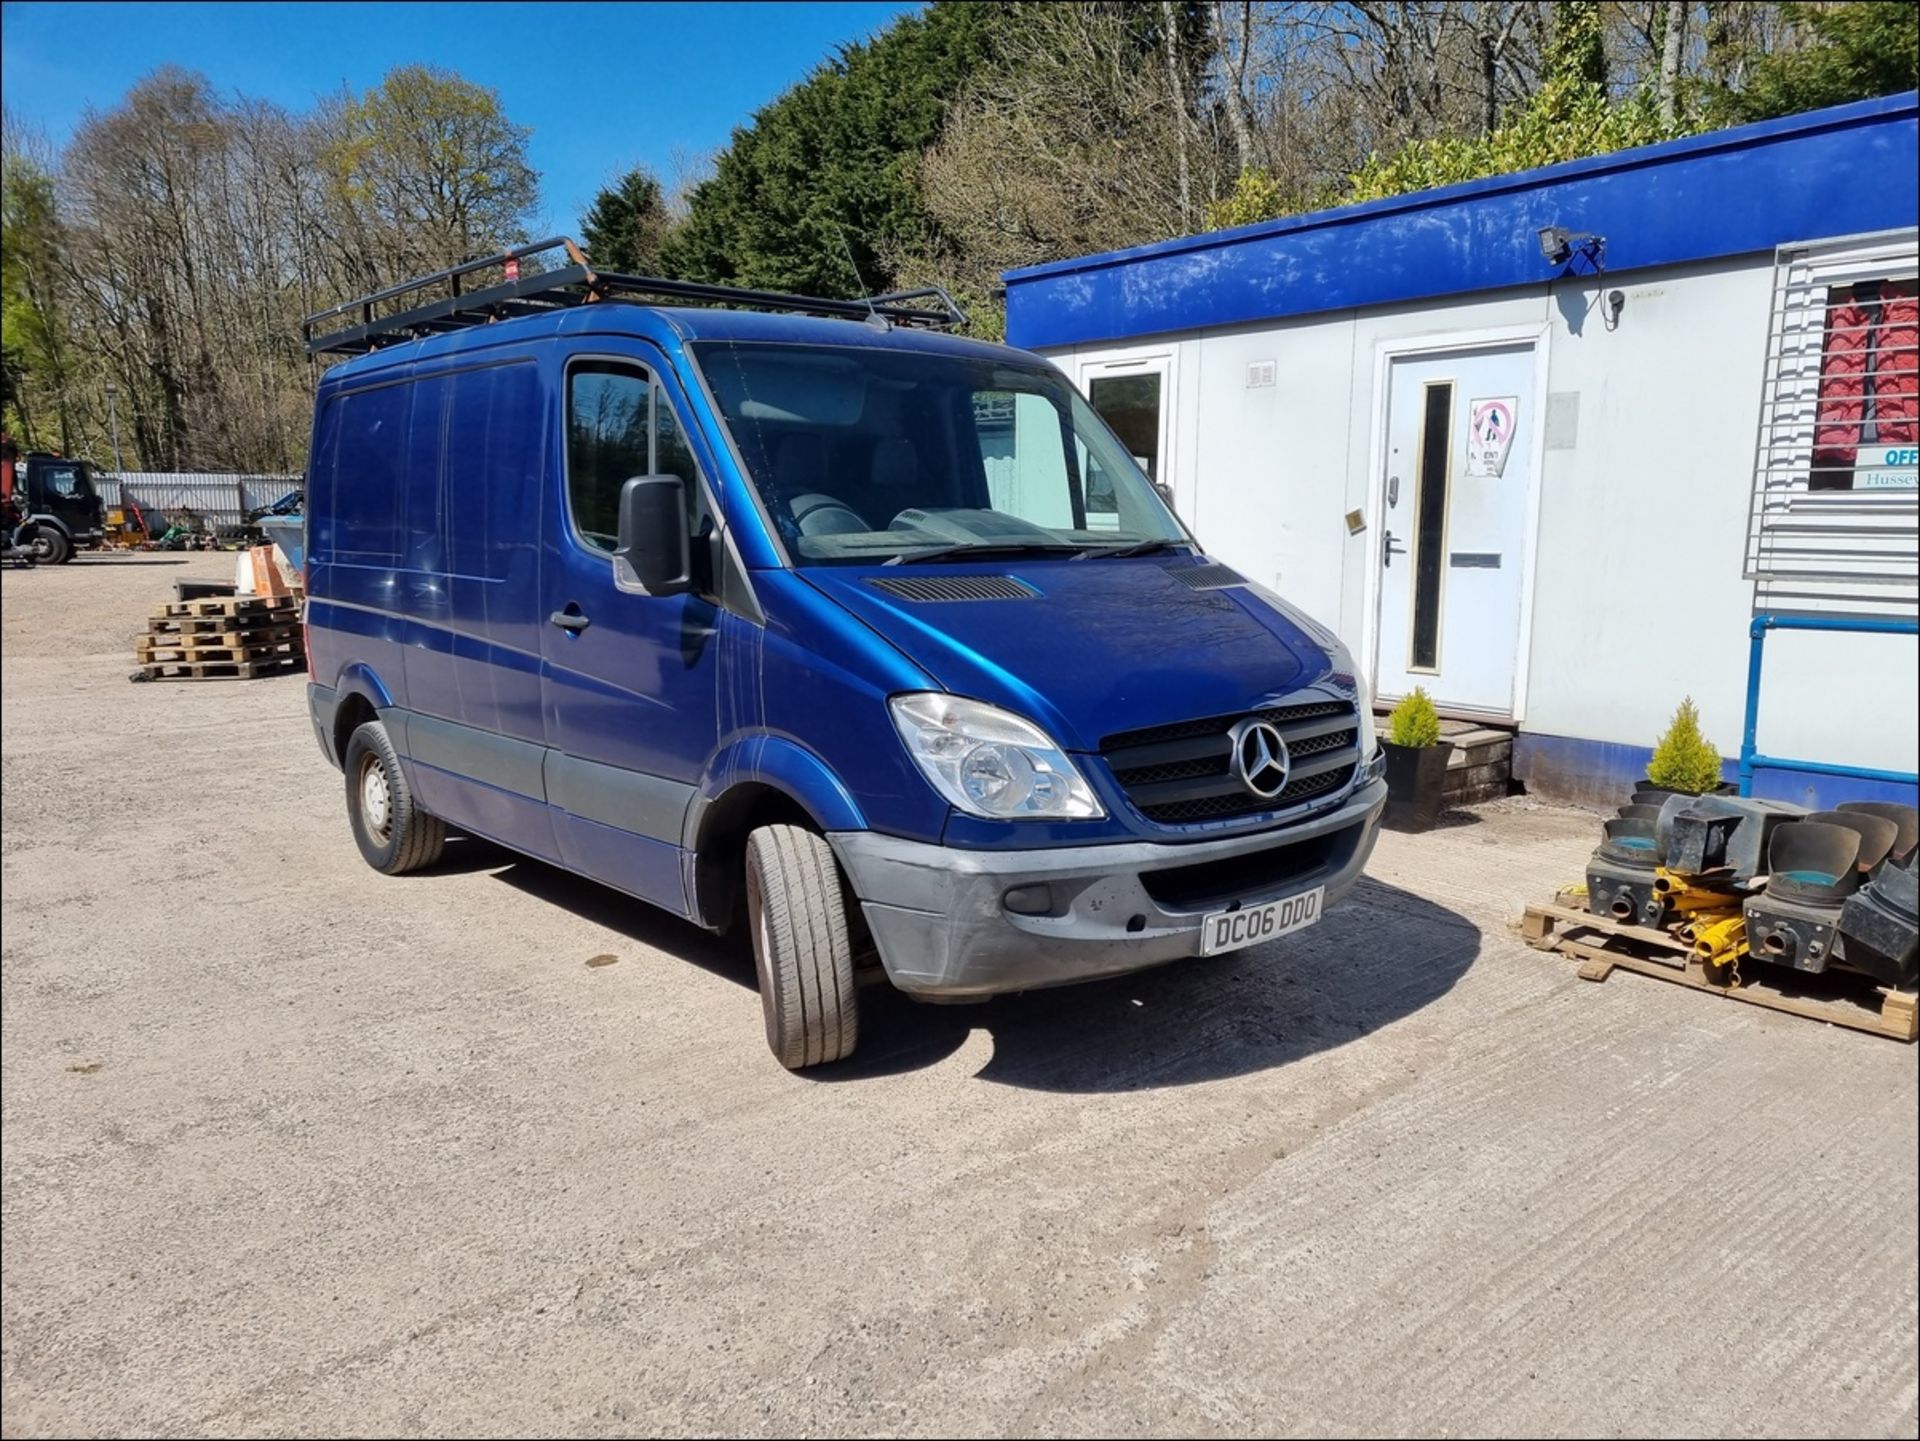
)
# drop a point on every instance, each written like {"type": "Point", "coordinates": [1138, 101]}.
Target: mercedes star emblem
{"type": "Point", "coordinates": [1260, 758]}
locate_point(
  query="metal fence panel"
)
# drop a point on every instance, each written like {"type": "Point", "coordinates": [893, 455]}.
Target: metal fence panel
{"type": "Point", "coordinates": [217, 499]}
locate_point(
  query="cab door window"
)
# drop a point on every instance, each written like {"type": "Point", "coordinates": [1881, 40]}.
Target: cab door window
{"type": "Point", "coordinates": [619, 424]}
{"type": "Point", "coordinates": [68, 481]}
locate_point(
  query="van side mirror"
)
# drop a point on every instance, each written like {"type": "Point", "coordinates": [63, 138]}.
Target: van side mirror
{"type": "Point", "coordinates": [1164, 491]}
{"type": "Point", "coordinates": [653, 554]}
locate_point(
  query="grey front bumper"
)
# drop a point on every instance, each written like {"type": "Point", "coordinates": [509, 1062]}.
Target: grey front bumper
{"type": "Point", "coordinates": [940, 920]}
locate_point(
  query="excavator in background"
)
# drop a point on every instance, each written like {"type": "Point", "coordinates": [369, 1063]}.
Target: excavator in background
{"type": "Point", "coordinates": [49, 505]}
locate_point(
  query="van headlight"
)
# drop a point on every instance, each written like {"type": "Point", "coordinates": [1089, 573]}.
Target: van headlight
{"type": "Point", "coordinates": [1369, 739]}
{"type": "Point", "coordinates": [990, 763]}
{"type": "Point", "coordinates": [1373, 760]}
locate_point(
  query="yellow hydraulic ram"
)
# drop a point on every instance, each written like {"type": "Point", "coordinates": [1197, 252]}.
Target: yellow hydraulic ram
{"type": "Point", "coordinates": [1680, 894]}
{"type": "Point", "coordinates": [1723, 943]}
{"type": "Point", "coordinates": [1698, 921]}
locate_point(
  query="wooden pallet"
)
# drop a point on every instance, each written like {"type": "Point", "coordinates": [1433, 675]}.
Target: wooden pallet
{"type": "Point", "coordinates": [251, 606]}
{"type": "Point", "coordinates": [1603, 946]}
{"type": "Point", "coordinates": [189, 625]}
{"type": "Point", "coordinates": [221, 670]}
{"type": "Point", "coordinates": [150, 652]}
{"type": "Point", "coordinates": [200, 647]}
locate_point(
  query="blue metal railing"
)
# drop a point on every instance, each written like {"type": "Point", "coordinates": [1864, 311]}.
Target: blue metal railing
{"type": "Point", "coordinates": [1750, 757]}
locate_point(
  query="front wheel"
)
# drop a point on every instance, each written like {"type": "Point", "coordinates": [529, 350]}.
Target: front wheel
{"type": "Point", "coordinates": [394, 835]}
{"type": "Point", "coordinates": [797, 913]}
{"type": "Point", "coordinates": [49, 546]}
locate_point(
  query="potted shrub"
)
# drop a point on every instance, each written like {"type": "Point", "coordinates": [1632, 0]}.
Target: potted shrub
{"type": "Point", "coordinates": [1684, 762]}
{"type": "Point", "coordinates": [1416, 764]}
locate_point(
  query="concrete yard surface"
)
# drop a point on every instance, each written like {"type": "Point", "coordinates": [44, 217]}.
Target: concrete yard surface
{"type": "Point", "coordinates": [292, 1147]}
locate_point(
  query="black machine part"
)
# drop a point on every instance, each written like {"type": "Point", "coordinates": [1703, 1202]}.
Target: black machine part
{"type": "Point", "coordinates": [1700, 835]}
{"type": "Point", "coordinates": [1791, 932]}
{"type": "Point", "coordinates": [1880, 925]}
{"type": "Point", "coordinates": [1813, 866]}
{"type": "Point", "coordinates": [1906, 822]}
{"type": "Point", "coordinates": [1877, 834]}
{"type": "Point", "coordinates": [1621, 874]}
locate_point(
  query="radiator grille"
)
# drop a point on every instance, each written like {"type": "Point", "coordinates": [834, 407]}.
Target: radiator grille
{"type": "Point", "coordinates": [1182, 774]}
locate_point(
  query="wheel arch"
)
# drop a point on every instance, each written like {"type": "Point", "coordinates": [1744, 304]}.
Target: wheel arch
{"type": "Point", "coordinates": [359, 696]}
{"type": "Point", "coordinates": [765, 780]}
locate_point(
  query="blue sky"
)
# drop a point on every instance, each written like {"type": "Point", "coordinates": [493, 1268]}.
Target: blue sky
{"type": "Point", "coordinates": [603, 87]}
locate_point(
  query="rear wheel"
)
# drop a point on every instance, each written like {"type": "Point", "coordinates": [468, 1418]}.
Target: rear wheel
{"type": "Point", "coordinates": [797, 914]}
{"type": "Point", "coordinates": [394, 835]}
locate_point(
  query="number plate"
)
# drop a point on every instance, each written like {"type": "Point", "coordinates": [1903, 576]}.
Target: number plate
{"type": "Point", "coordinates": [1230, 930]}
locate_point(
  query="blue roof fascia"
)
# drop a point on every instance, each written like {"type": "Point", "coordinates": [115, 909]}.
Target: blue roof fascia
{"type": "Point", "coordinates": [1847, 170]}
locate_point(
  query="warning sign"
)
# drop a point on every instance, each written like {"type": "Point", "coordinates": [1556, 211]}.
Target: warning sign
{"type": "Point", "coordinates": [1490, 434]}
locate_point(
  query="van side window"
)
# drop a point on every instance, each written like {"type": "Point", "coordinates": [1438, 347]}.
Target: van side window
{"type": "Point", "coordinates": [368, 471]}
{"type": "Point", "coordinates": [619, 425]}
{"type": "Point", "coordinates": [609, 425]}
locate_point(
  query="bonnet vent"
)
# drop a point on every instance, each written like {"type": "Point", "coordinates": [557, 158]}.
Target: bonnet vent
{"type": "Point", "coordinates": [1211, 576]}
{"type": "Point", "coordinates": [955, 587]}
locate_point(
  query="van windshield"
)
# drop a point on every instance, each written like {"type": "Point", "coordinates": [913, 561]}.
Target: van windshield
{"type": "Point", "coordinates": [865, 455]}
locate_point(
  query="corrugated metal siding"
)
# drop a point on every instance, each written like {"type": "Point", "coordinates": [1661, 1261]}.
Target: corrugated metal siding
{"type": "Point", "coordinates": [219, 499]}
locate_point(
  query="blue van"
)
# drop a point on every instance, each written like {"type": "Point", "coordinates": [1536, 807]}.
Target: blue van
{"type": "Point", "coordinates": [805, 616]}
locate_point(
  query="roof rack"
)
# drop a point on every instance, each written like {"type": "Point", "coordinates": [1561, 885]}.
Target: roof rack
{"type": "Point", "coordinates": [578, 283]}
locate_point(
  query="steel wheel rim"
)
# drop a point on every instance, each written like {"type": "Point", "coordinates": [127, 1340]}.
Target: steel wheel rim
{"type": "Point", "coordinates": [376, 798]}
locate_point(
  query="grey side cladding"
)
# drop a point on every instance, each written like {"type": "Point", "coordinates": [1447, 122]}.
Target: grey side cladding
{"type": "Point", "coordinates": [463, 750]}
{"type": "Point", "coordinates": [650, 806]}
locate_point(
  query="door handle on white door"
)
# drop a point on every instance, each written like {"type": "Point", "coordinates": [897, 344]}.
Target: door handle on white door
{"type": "Point", "coordinates": [1389, 551]}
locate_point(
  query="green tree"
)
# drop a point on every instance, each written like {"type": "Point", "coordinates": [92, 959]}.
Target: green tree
{"type": "Point", "coordinates": [427, 165]}
{"type": "Point", "coordinates": [1576, 50]}
{"type": "Point", "coordinates": [828, 170]}
{"type": "Point", "coordinates": [1685, 760]}
{"type": "Point", "coordinates": [1848, 52]}
{"type": "Point", "coordinates": [627, 224]}
{"type": "Point", "coordinates": [33, 322]}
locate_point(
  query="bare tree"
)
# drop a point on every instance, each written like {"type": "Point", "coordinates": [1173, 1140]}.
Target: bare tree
{"type": "Point", "coordinates": [1672, 47]}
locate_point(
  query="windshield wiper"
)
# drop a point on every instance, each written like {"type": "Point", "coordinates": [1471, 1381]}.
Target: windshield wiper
{"type": "Point", "coordinates": [1140, 547]}
{"type": "Point", "coordinates": [988, 547]}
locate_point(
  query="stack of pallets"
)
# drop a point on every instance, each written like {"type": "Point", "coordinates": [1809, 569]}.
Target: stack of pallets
{"type": "Point", "coordinates": [229, 637]}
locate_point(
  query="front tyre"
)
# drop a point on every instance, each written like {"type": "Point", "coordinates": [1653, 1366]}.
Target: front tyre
{"type": "Point", "coordinates": [394, 835]}
{"type": "Point", "coordinates": [49, 546]}
{"type": "Point", "coordinates": [797, 913]}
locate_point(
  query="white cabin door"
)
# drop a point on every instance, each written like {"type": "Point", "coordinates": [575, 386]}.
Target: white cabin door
{"type": "Point", "coordinates": [1454, 505]}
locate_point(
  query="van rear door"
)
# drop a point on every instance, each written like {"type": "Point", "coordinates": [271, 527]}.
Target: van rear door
{"type": "Point", "coordinates": [628, 679]}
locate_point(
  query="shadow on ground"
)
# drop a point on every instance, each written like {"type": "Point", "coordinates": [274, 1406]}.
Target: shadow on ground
{"type": "Point", "coordinates": [1380, 955]}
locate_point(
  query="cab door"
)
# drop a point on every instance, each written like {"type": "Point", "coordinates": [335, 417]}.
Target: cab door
{"type": "Point", "coordinates": [65, 490]}
{"type": "Point", "coordinates": [628, 679]}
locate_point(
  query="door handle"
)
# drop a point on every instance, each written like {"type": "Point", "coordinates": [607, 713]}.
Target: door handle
{"type": "Point", "coordinates": [1389, 551]}
{"type": "Point", "coordinates": [570, 619]}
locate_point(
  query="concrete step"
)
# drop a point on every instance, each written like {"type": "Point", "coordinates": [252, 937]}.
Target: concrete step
{"type": "Point", "coordinates": [1481, 766]}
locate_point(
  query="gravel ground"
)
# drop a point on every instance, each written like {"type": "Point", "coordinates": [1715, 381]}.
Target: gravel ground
{"type": "Point", "coordinates": [291, 1147]}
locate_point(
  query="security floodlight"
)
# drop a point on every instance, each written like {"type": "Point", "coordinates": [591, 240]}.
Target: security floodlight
{"type": "Point", "coordinates": [1558, 244]}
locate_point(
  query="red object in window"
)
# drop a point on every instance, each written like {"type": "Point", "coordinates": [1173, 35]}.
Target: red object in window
{"type": "Point", "coordinates": [1843, 387]}
{"type": "Point", "coordinates": [1896, 367]}
{"type": "Point", "coordinates": [513, 270]}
